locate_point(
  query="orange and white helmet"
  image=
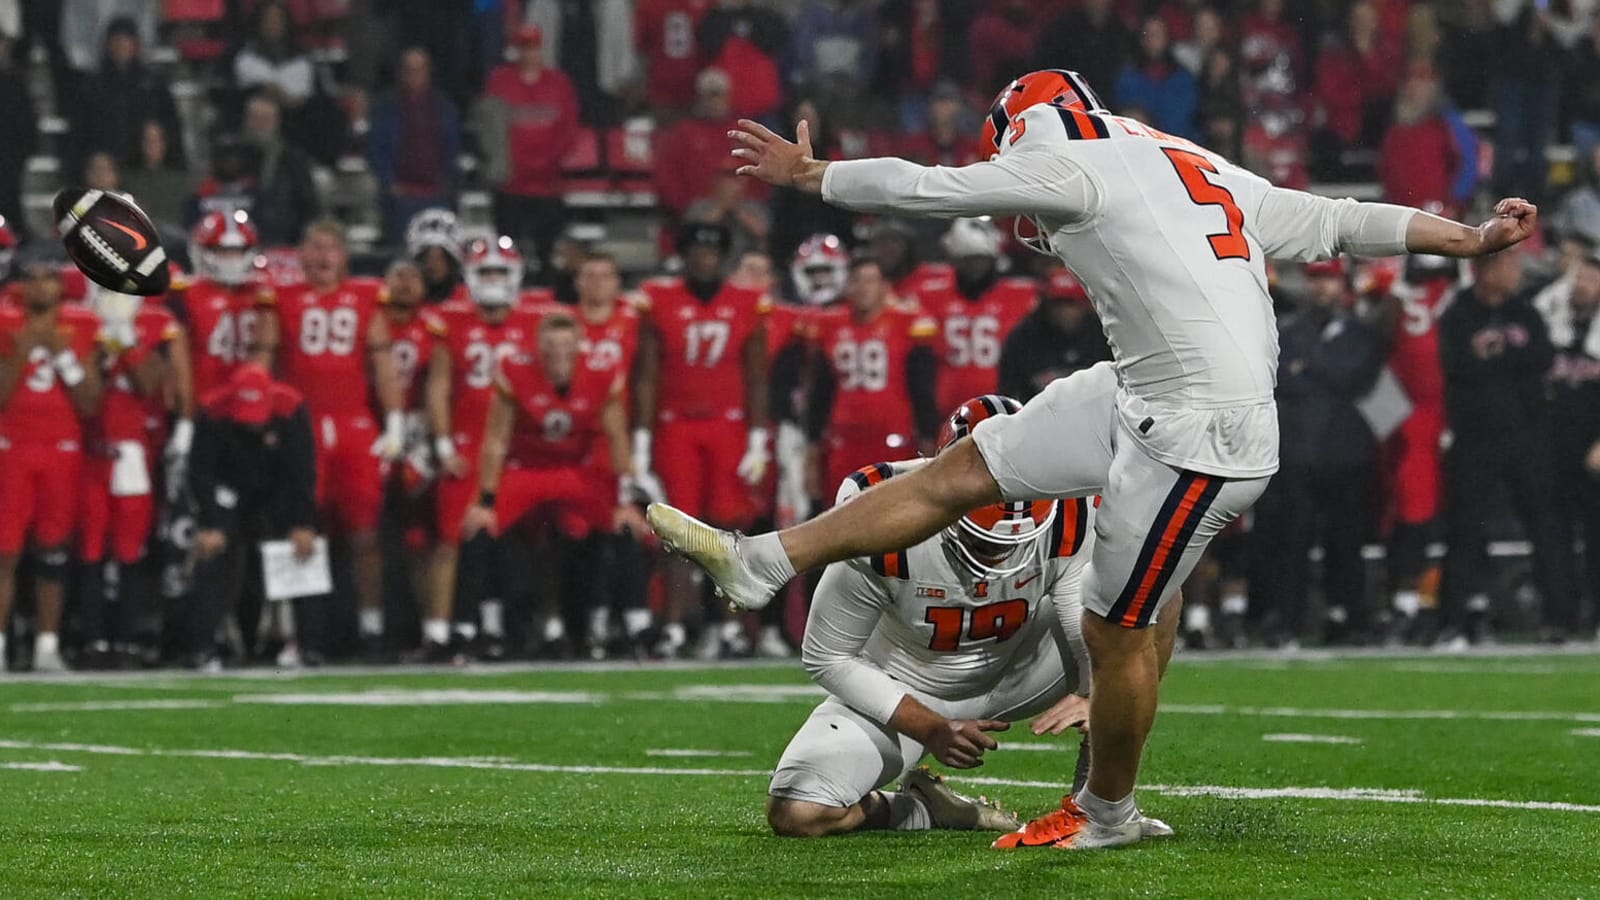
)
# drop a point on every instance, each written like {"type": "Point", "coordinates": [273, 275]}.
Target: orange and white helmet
{"type": "Point", "coordinates": [819, 270]}
{"type": "Point", "coordinates": [493, 271]}
{"type": "Point", "coordinates": [986, 539]}
{"type": "Point", "coordinates": [223, 247]}
{"type": "Point", "coordinates": [1057, 87]}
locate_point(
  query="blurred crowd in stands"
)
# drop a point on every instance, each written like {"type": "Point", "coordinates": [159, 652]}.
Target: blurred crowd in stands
{"type": "Point", "coordinates": [549, 179]}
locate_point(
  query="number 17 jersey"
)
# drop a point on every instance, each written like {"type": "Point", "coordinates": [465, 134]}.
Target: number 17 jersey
{"type": "Point", "coordinates": [702, 347]}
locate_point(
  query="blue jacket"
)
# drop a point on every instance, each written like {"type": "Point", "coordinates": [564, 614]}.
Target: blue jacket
{"type": "Point", "coordinates": [1322, 371]}
{"type": "Point", "coordinates": [1170, 103]}
{"type": "Point", "coordinates": [383, 140]}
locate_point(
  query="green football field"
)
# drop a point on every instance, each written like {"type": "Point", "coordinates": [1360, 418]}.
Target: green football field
{"type": "Point", "coordinates": [1390, 776]}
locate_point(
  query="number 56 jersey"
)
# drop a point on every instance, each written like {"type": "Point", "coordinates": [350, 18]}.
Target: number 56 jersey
{"type": "Point", "coordinates": [919, 619]}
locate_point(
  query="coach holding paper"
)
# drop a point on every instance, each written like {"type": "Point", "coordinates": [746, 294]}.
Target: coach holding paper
{"type": "Point", "coordinates": [253, 475]}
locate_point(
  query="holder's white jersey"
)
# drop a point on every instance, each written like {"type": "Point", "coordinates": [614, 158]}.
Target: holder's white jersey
{"type": "Point", "coordinates": [918, 620]}
{"type": "Point", "coordinates": [1171, 241]}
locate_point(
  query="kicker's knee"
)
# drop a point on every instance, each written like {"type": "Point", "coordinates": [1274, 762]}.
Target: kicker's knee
{"type": "Point", "coordinates": [799, 818]}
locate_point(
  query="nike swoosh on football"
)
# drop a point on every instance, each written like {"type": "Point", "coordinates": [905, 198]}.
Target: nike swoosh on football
{"type": "Point", "coordinates": [1026, 581]}
{"type": "Point", "coordinates": [139, 240]}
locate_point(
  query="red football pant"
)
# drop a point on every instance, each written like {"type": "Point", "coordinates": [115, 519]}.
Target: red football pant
{"type": "Point", "coordinates": [123, 522]}
{"type": "Point", "coordinates": [1418, 466]}
{"type": "Point", "coordinates": [349, 477]}
{"type": "Point", "coordinates": [577, 500]}
{"type": "Point", "coordinates": [38, 494]}
{"type": "Point", "coordinates": [698, 462]}
{"type": "Point", "coordinates": [456, 495]}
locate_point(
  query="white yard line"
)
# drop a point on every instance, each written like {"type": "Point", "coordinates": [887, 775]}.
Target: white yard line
{"type": "Point", "coordinates": [51, 766]}
{"type": "Point", "coordinates": [116, 705]}
{"type": "Point", "coordinates": [691, 754]}
{"type": "Point", "coordinates": [1374, 795]}
{"type": "Point", "coordinates": [1291, 712]}
{"type": "Point", "coordinates": [1036, 747]}
{"type": "Point", "coordinates": [1586, 732]}
{"type": "Point", "coordinates": [1297, 738]}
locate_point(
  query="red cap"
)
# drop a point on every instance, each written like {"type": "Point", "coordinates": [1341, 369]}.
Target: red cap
{"type": "Point", "coordinates": [252, 394]}
{"type": "Point", "coordinates": [1063, 285]}
{"type": "Point", "coordinates": [1326, 268]}
{"type": "Point", "coordinates": [528, 36]}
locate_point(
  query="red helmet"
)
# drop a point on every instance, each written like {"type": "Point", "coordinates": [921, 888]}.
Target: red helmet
{"type": "Point", "coordinates": [819, 269]}
{"type": "Point", "coordinates": [1057, 87]}
{"type": "Point", "coordinates": [8, 248]}
{"type": "Point", "coordinates": [986, 539]}
{"type": "Point", "coordinates": [493, 271]}
{"type": "Point", "coordinates": [223, 247]}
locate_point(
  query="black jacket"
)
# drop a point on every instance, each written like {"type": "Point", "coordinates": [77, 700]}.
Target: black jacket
{"type": "Point", "coordinates": [237, 471]}
{"type": "Point", "coordinates": [1494, 360]}
{"type": "Point", "coordinates": [1037, 352]}
{"type": "Point", "coordinates": [1574, 401]}
{"type": "Point", "coordinates": [115, 103]}
{"type": "Point", "coordinates": [1323, 369]}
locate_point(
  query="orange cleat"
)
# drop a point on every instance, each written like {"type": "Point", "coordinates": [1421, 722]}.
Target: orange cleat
{"type": "Point", "coordinates": [1070, 828]}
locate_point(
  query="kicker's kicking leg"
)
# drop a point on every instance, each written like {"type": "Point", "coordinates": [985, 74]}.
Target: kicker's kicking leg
{"type": "Point", "coordinates": [898, 513]}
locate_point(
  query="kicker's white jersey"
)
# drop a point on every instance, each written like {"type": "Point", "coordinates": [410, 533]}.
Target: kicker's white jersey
{"type": "Point", "coordinates": [1170, 240]}
{"type": "Point", "coordinates": [918, 620]}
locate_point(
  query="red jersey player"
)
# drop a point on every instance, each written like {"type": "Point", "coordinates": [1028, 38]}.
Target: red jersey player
{"type": "Point", "coordinates": [1413, 453]}
{"type": "Point", "coordinates": [118, 496]}
{"type": "Point", "coordinates": [701, 396]}
{"type": "Point", "coordinates": [461, 372]}
{"type": "Point", "coordinates": [975, 312]}
{"type": "Point", "coordinates": [893, 245]}
{"type": "Point", "coordinates": [49, 378]}
{"type": "Point", "coordinates": [329, 334]}
{"type": "Point", "coordinates": [221, 306]}
{"type": "Point", "coordinates": [874, 396]}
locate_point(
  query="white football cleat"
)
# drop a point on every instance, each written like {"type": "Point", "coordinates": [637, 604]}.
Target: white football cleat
{"type": "Point", "coordinates": [714, 550]}
{"type": "Point", "coordinates": [1153, 828]}
{"type": "Point", "coordinates": [1070, 828]}
{"type": "Point", "coordinates": [48, 660]}
{"type": "Point", "coordinates": [949, 809]}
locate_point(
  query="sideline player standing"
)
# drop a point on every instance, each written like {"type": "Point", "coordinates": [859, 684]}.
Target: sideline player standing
{"type": "Point", "coordinates": [1171, 241]}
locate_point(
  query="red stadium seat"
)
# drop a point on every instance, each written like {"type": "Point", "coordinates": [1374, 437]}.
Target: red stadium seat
{"type": "Point", "coordinates": [195, 24]}
{"type": "Point", "coordinates": [582, 170]}
{"type": "Point", "coordinates": [195, 10]}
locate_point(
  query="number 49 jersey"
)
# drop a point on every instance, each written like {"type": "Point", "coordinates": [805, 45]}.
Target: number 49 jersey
{"type": "Point", "coordinates": [221, 322]}
{"type": "Point", "coordinates": [946, 632]}
{"type": "Point", "coordinates": [702, 347]}
{"type": "Point", "coordinates": [322, 344]}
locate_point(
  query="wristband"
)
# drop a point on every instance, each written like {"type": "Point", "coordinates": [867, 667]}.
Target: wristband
{"type": "Point", "coordinates": [444, 448]}
{"type": "Point", "coordinates": [486, 498]}
{"type": "Point", "coordinates": [68, 367]}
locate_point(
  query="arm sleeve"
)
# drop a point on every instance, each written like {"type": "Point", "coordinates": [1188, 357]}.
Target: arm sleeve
{"type": "Point", "coordinates": [819, 406]}
{"type": "Point", "coordinates": [300, 460]}
{"type": "Point", "coordinates": [788, 367]}
{"type": "Point", "coordinates": [1067, 595]}
{"type": "Point", "coordinates": [1300, 226]}
{"type": "Point", "coordinates": [922, 378]}
{"type": "Point", "coordinates": [203, 465]}
{"type": "Point", "coordinates": [1037, 183]}
{"type": "Point", "coordinates": [843, 614]}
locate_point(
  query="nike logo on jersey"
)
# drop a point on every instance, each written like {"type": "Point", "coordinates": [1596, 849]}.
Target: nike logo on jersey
{"type": "Point", "coordinates": [139, 240]}
{"type": "Point", "coordinates": [1024, 582]}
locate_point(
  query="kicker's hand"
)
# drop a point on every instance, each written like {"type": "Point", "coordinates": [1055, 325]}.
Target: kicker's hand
{"type": "Point", "coordinates": [1515, 220]}
{"type": "Point", "coordinates": [961, 743]}
{"type": "Point", "coordinates": [777, 160]}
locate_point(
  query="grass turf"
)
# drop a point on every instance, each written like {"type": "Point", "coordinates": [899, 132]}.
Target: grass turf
{"type": "Point", "coordinates": [440, 800]}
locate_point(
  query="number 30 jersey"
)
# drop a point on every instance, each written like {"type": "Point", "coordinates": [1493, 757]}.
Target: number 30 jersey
{"type": "Point", "coordinates": [322, 344]}
{"type": "Point", "coordinates": [477, 347]}
{"type": "Point", "coordinates": [1170, 240]}
{"type": "Point", "coordinates": [702, 347]}
{"type": "Point", "coordinates": [918, 619]}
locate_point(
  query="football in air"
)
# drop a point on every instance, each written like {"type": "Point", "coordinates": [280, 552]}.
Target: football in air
{"type": "Point", "coordinates": [112, 241]}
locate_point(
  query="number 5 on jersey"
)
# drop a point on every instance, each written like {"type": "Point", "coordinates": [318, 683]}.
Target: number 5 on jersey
{"type": "Point", "coordinates": [1192, 168]}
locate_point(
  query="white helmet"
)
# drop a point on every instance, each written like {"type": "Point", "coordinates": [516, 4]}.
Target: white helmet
{"type": "Point", "coordinates": [819, 270]}
{"type": "Point", "coordinates": [224, 247]}
{"type": "Point", "coordinates": [972, 237]}
{"type": "Point", "coordinates": [434, 227]}
{"type": "Point", "coordinates": [493, 271]}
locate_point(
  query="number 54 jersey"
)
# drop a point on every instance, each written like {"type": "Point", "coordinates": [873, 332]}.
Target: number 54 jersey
{"type": "Point", "coordinates": [930, 624]}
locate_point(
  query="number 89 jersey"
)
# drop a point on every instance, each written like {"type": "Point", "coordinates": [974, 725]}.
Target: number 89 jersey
{"type": "Point", "coordinates": [702, 347]}
{"type": "Point", "coordinates": [951, 634]}
{"type": "Point", "coordinates": [322, 344]}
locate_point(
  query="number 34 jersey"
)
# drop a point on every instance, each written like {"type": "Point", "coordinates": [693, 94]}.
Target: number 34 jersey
{"type": "Point", "coordinates": [702, 347]}
{"type": "Point", "coordinates": [925, 620]}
